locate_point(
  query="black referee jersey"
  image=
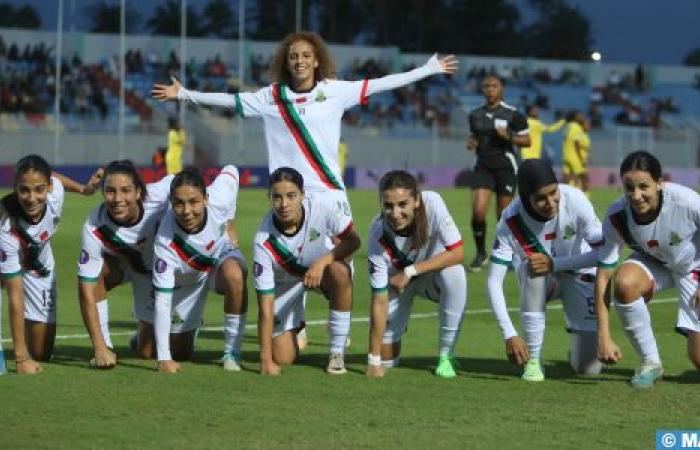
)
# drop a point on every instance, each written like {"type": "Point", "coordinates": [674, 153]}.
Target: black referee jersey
{"type": "Point", "coordinates": [491, 149]}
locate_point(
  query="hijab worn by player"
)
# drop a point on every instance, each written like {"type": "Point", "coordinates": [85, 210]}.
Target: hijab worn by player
{"type": "Point", "coordinates": [533, 175]}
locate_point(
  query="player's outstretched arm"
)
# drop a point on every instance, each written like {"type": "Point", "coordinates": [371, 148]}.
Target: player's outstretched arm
{"type": "Point", "coordinates": [175, 91]}
{"type": "Point", "coordinates": [447, 64]}
{"type": "Point", "coordinates": [71, 185]}
{"type": "Point", "coordinates": [166, 92]}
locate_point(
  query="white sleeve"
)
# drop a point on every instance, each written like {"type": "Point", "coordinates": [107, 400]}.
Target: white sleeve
{"type": "Point", "coordinates": [164, 265]}
{"type": "Point", "coordinates": [575, 262]}
{"type": "Point", "coordinates": [589, 223]}
{"type": "Point", "coordinates": [161, 324]}
{"type": "Point", "coordinates": [90, 259]}
{"type": "Point", "coordinates": [591, 230]}
{"type": "Point", "coordinates": [377, 264]}
{"type": "Point", "coordinates": [609, 253]}
{"type": "Point", "coordinates": [159, 191]}
{"type": "Point", "coordinates": [431, 67]}
{"type": "Point", "coordinates": [263, 270]}
{"type": "Point", "coordinates": [10, 265]}
{"type": "Point", "coordinates": [502, 250]}
{"type": "Point", "coordinates": [246, 104]}
{"type": "Point", "coordinates": [338, 219]}
{"type": "Point", "coordinates": [447, 230]}
{"type": "Point", "coordinates": [223, 192]}
{"type": "Point", "coordinates": [494, 283]}
{"type": "Point", "coordinates": [56, 195]}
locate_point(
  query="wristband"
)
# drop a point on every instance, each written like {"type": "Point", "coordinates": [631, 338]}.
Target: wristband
{"type": "Point", "coordinates": [374, 360]}
{"type": "Point", "coordinates": [410, 271]}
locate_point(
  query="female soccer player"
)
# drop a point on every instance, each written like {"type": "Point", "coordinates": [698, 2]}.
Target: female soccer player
{"type": "Point", "coordinates": [576, 151]}
{"type": "Point", "coordinates": [193, 253]}
{"type": "Point", "coordinates": [414, 249]}
{"type": "Point", "coordinates": [660, 222]}
{"type": "Point", "coordinates": [31, 214]}
{"type": "Point", "coordinates": [117, 247]}
{"type": "Point", "coordinates": [548, 232]}
{"type": "Point", "coordinates": [291, 255]}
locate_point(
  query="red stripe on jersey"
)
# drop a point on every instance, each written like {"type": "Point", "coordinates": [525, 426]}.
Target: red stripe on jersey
{"type": "Point", "coordinates": [455, 245]}
{"type": "Point", "coordinates": [193, 263]}
{"type": "Point", "coordinates": [652, 243]}
{"type": "Point", "coordinates": [230, 174]}
{"type": "Point", "coordinates": [346, 231]}
{"type": "Point", "coordinates": [363, 93]}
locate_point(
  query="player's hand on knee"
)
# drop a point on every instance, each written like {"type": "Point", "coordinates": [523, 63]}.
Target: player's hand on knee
{"type": "Point", "coordinates": [168, 366]}
{"type": "Point", "coordinates": [104, 359]}
{"type": "Point", "coordinates": [313, 276]}
{"type": "Point", "coordinates": [375, 371]}
{"type": "Point", "coordinates": [399, 281]}
{"type": "Point", "coordinates": [517, 351]}
{"type": "Point", "coordinates": [608, 351]}
{"type": "Point", "coordinates": [28, 367]}
{"type": "Point", "coordinates": [269, 367]}
{"type": "Point", "coordinates": [539, 264]}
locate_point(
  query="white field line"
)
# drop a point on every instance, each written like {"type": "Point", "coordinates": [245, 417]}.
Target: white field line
{"type": "Point", "coordinates": [469, 312]}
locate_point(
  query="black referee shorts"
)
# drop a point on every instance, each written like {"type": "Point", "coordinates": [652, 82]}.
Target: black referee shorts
{"type": "Point", "coordinates": [502, 181]}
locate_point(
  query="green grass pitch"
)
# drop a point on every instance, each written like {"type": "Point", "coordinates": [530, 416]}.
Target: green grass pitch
{"type": "Point", "coordinates": [486, 406]}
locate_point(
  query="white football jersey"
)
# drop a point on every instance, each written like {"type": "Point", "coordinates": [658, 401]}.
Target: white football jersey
{"type": "Point", "coordinates": [672, 238]}
{"type": "Point", "coordinates": [132, 245]}
{"type": "Point", "coordinates": [388, 252]}
{"type": "Point", "coordinates": [26, 246]}
{"type": "Point", "coordinates": [184, 259]}
{"type": "Point", "coordinates": [573, 231]}
{"type": "Point", "coordinates": [281, 259]}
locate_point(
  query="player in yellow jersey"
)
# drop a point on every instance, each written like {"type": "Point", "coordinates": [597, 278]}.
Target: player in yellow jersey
{"type": "Point", "coordinates": [576, 151]}
{"type": "Point", "coordinates": [176, 142]}
{"type": "Point", "coordinates": [537, 128]}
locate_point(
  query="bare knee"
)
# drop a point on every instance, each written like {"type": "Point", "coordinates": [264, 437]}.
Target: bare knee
{"type": "Point", "coordinates": [338, 274]}
{"type": "Point", "coordinates": [627, 288]}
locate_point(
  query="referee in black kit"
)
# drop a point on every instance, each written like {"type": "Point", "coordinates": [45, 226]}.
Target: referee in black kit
{"type": "Point", "coordinates": [495, 128]}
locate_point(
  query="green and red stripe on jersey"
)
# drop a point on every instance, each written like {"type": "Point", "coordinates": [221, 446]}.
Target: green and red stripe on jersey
{"type": "Point", "coordinates": [399, 259]}
{"type": "Point", "coordinates": [284, 257]}
{"type": "Point", "coordinates": [112, 241]}
{"type": "Point", "coordinates": [303, 138]}
{"type": "Point", "coordinates": [526, 238]}
{"type": "Point", "coordinates": [30, 250]}
{"type": "Point", "coordinates": [190, 256]}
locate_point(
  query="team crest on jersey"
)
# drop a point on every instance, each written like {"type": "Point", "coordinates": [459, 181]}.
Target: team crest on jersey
{"type": "Point", "coordinates": [84, 256]}
{"type": "Point", "coordinates": [569, 232]}
{"type": "Point", "coordinates": [257, 269]}
{"type": "Point", "coordinates": [175, 319]}
{"type": "Point", "coordinates": [320, 97]}
{"type": "Point", "coordinates": [675, 239]}
{"type": "Point", "coordinates": [314, 234]}
{"type": "Point", "coordinates": [161, 265]}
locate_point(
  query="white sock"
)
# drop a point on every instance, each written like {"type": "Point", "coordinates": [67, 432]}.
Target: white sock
{"type": "Point", "coordinates": [453, 301]}
{"type": "Point", "coordinates": [103, 314]}
{"type": "Point", "coordinates": [389, 363]}
{"type": "Point", "coordinates": [234, 331]}
{"type": "Point", "coordinates": [637, 325]}
{"type": "Point", "coordinates": [339, 328]}
{"type": "Point", "coordinates": [533, 332]}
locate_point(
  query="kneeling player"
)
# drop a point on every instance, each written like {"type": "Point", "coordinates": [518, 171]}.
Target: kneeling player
{"type": "Point", "coordinates": [32, 213]}
{"type": "Point", "coordinates": [548, 233]}
{"type": "Point", "coordinates": [292, 254]}
{"type": "Point", "coordinates": [414, 249]}
{"type": "Point", "coordinates": [193, 253]}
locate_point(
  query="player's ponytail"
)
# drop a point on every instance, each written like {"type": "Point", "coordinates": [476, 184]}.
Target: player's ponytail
{"type": "Point", "coordinates": [400, 179]}
{"type": "Point", "coordinates": [125, 167]}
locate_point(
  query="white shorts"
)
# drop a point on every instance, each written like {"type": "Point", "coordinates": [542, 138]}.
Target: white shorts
{"type": "Point", "coordinates": [188, 301]}
{"type": "Point", "coordinates": [142, 291]}
{"type": "Point", "coordinates": [289, 307]}
{"type": "Point", "coordinates": [39, 297]}
{"type": "Point", "coordinates": [686, 283]}
{"type": "Point", "coordinates": [399, 310]}
{"type": "Point", "coordinates": [576, 290]}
